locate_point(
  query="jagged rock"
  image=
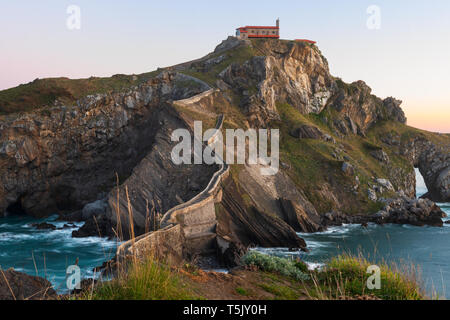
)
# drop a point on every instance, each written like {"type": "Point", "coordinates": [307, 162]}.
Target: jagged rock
{"type": "Point", "coordinates": [278, 78]}
{"type": "Point", "coordinates": [96, 208]}
{"type": "Point", "coordinates": [296, 216]}
{"type": "Point", "coordinates": [329, 216]}
{"type": "Point", "coordinates": [352, 125]}
{"type": "Point", "coordinates": [394, 111]}
{"type": "Point", "coordinates": [278, 196]}
{"type": "Point", "coordinates": [386, 184]}
{"type": "Point", "coordinates": [329, 138]}
{"type": "Point", "coordinates": [361, 107]}
{"type": "Point", "coordinates": [405, 210]}
{"type": "Point", "coordinates": [100, 226]}
{"type": "Point", "coordinates": [307, 132]}
{"type": "Point", "coordinates": [380, 155]}
{"type": "Point", "coordinates": [249, 226]}
{"type": "Point", "coordinates": [69, 155]}
{"type": "Point", "coordinates": [44, 226]}
{"type": "Point", "coordinates": [157, 184]}
{"type": "Point", "coordinates": [228, 44]}
{"type": "Point", "coordinates": [372, 195]}
{"type": "Point", "coordinates": [433, 161]}
{"type": "Point", "coordinates": [20, 286]}
{"type": "Point", "coordinates": [347, 168]}
{"type": "Point", "coordinates": [230, 253]}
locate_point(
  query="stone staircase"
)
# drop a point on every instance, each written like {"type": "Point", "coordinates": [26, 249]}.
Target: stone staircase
{"type": "Point", "coordinates": [199, 229]}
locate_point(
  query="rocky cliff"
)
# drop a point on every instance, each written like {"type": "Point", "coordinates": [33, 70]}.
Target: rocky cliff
{"type": "Point", "coordinates": [61, 158]}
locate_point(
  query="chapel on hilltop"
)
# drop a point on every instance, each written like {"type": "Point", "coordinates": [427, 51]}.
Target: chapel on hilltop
{"type": "Point", "coordinates": [251, 32]}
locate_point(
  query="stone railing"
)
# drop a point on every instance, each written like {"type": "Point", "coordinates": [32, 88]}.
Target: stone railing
{"type": "Point", "coordinates": [192, 217]}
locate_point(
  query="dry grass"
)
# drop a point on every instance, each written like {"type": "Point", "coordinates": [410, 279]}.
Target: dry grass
{"type": "Point", "coordinates": [147, 279]}
{"type": "Point", "coordinates": [345, 277]}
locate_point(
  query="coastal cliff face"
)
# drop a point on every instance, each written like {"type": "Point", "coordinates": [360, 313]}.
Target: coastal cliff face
{"type": "Point", "coordinates": [63, 157]}
{"type": "Point", "coordinates": [346, 155]}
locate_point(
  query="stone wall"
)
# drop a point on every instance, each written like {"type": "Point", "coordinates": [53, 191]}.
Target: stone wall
{"type": "Point", "coordinates": [188, 229]}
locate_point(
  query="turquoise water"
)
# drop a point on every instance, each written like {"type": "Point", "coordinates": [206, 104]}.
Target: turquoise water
{"type": "Point", "coordinates": [48, 253]}
{"type": "Point", "coordinates": [426, 247]}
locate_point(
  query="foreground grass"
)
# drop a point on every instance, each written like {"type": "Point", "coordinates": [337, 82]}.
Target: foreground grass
{"type": "Point", "coordinates": [147, 280]}
{"type": "Point", "coordinates": [346, 277]}
{"type": "Point", "coordinates": [263, 277]}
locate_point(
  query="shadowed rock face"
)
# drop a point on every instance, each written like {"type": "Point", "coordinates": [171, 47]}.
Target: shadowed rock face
{"type": "Point", "coordinates": [434, 165]}
{"type": "Point", "coordinates": [157, 184]}
{"type": "Point", "coordinates": [239, 224]}
{"type": "Point", "coordinates": [19, 286]}
{"type": "Point", "coordinates": [62, 159]}
{"type": "Point", "coordinates": [433, 161]}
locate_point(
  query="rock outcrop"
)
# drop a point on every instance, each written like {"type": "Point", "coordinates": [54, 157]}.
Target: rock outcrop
{"type": "Point", "coordinates": [399, 210]}
{"type": "Point", "coordinates": [431, 156]}
{"type": "Point", "coordinates": [62, 159]}
{"type": "Point", "coordinates": [19, 286]}
{"type": "Point", "coordinates": [418, 212]}
{"type": "Point", "coordinates": [298, 74]}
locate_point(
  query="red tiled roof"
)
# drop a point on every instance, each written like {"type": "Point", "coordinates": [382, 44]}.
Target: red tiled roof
{"type": "Point", "coordinates": [258, 27]}
{"type": "Point", "coordinates": [305, 40]}
{"type": "Point", "coordinates": [264, 36]}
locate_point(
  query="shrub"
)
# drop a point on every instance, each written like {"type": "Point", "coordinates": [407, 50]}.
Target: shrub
{"type": "Point", "coordinates": [147, 280]}
{"type": "Point", "coordinates": [346, 276]}
{"type": "Point", "coordinates": [282, 266]}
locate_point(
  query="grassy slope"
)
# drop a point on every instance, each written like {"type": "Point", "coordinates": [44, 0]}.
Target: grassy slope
{"type": "Point", "coordinates": [312, 160]}
{"type": "Point", "coordinates": [238, 55]}
{"type": "Point", "coordinates": [264, 277]}
{"type": "Point", "coordinates": [43, 92]}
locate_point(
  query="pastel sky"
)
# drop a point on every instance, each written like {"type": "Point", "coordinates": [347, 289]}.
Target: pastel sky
{"type": "Point", "coordinates": [408, 57]}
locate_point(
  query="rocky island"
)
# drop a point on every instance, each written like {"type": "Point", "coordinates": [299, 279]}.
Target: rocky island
{"type": "Point", "coordinates": [98, 150]}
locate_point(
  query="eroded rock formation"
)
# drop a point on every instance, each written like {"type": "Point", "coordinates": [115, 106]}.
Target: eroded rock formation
{"type": "Point", "coordinates": [62, 159]}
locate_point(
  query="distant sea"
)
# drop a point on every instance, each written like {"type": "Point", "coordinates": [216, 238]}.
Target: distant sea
{"type": "Point", "coordinates": [426, 247]}
{"type": "Point", "coordinates": [48, 253]}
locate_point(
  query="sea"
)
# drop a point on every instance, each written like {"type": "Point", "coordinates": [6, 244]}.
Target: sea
{"type": "Point", "coordinates": [48, 253]}
{"type": "Point", "coordinates": [427, 248]}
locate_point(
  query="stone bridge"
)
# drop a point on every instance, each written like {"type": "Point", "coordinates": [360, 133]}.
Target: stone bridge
{"type": "Point", "coordinates": [189, 229]}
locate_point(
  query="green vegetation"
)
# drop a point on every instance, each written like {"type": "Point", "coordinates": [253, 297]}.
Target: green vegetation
{"type": "Point", "coordinates": [147, 280]}
{"type": "Point", "coordinates": [313, 160]}
{"type": "Point", "coordinates": [275, 264]}
{"type": "Point", "coordinates": [242, 291]}
{"type": "Point", "coordinates": [44, 92]}
{"type": "Point", "coordinates": [346, 276]}
{"type": "Point", "coordinates": [281, 292]}
{"type": "Point", "coordinates": [264, 277]}
{"type": "Point", "coordinates": [238, 55]}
